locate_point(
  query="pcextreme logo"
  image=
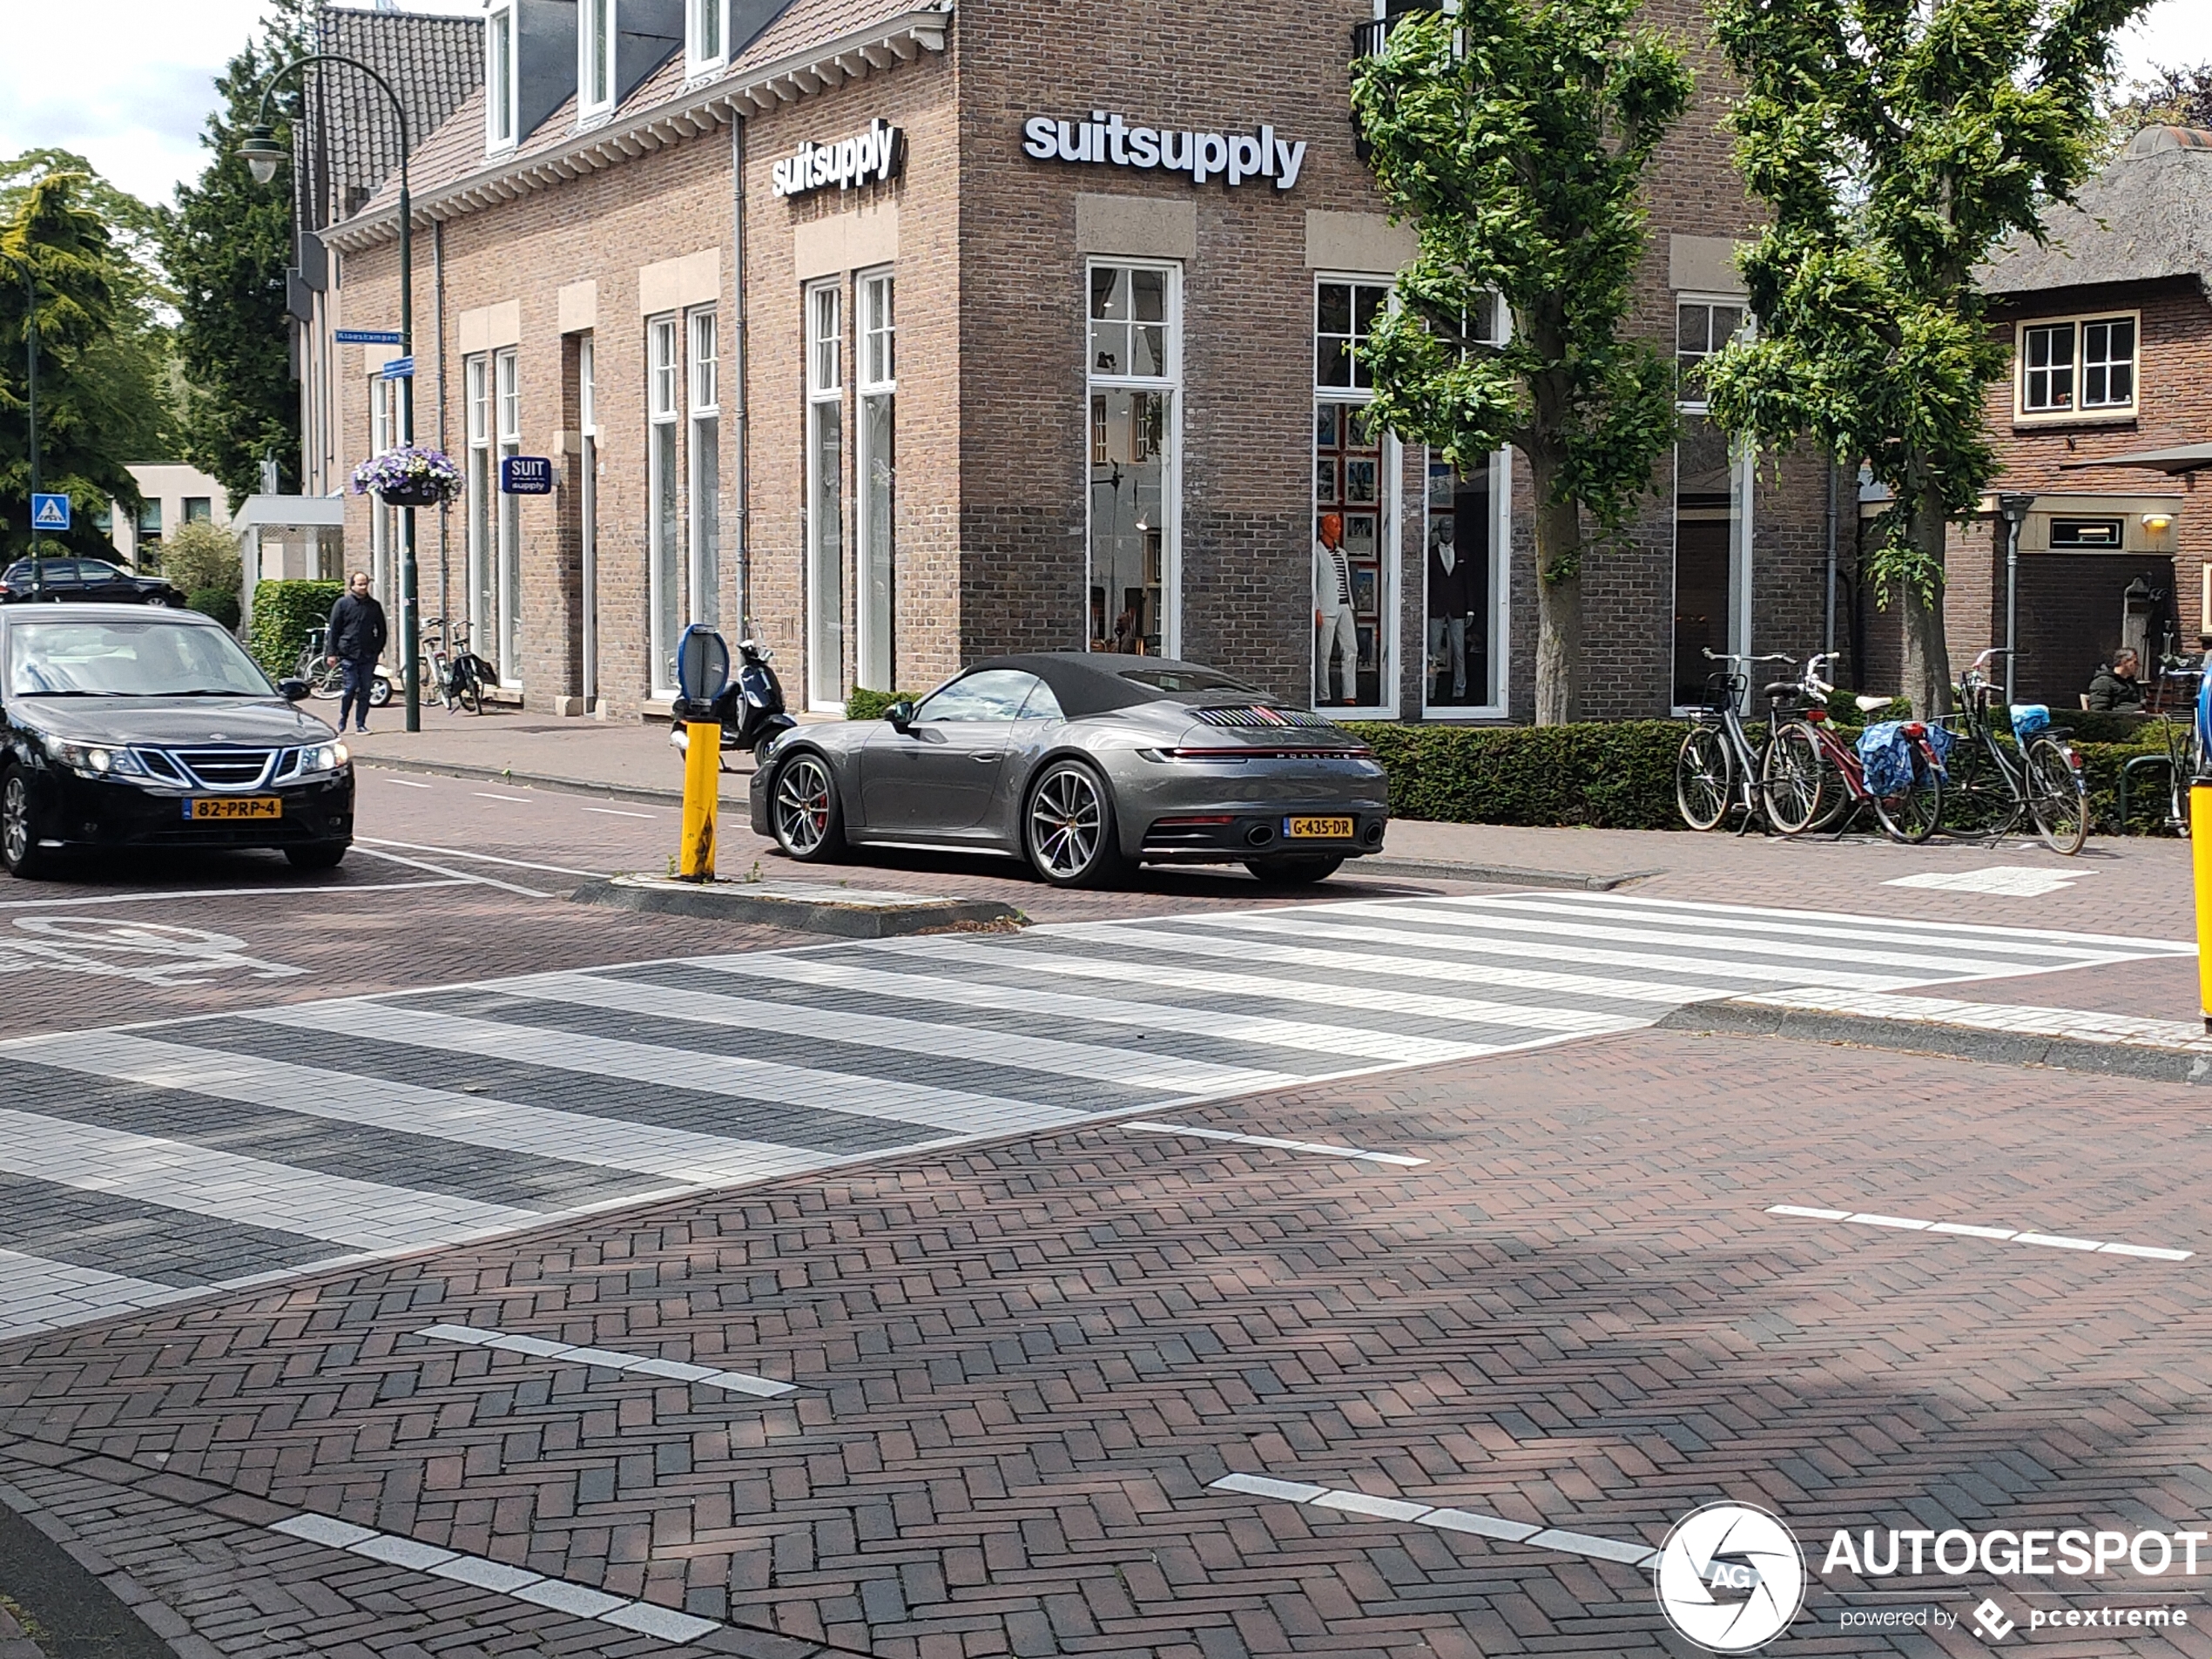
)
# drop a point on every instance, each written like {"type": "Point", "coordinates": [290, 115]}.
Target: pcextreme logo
{"type": "Point", "coordinates": [1732, 1577]}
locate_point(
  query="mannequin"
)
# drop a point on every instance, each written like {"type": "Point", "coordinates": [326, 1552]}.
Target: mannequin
{"type": "Point", "coordinates": [1450, 598]}
{"type": "Point", "coordinates": [1335, 627]}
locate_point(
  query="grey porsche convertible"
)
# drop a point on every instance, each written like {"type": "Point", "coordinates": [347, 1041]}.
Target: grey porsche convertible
{"type": "Point", "coordinates": [1084, 765]}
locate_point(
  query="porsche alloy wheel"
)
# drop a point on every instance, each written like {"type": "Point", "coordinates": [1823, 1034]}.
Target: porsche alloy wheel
{"type": "Point", "coordinates": [809, 824]}
{"type": "Point", "coordinates": [1068, 829]}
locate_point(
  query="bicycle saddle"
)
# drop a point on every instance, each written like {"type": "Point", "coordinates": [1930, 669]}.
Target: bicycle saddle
{"type": "Point", "coordinates": [1780, 691]}
{"type": "Point", "coordinates": [1868, 704]}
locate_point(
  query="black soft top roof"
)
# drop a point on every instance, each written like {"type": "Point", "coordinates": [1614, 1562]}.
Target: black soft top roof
{"type": "Point", "coordinates": [1098, 682]}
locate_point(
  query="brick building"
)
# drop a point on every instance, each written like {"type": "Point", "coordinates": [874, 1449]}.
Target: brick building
{"type": "Point", "coordinates": [914, 335]}
{"type": "Point", "coordinates": [2110, 328]}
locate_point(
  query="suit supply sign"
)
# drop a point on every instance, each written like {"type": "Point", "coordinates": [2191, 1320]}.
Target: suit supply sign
{"type": "Point", "coordinates": [867, 158]}
{"type": "Point", "coordinates": [1107, 140]}
{"type": "Point", "coordinates": [525, 475]}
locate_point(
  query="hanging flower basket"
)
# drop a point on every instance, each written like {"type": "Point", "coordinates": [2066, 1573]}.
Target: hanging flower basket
{"type": "Point", "coordinates": [409, 478]}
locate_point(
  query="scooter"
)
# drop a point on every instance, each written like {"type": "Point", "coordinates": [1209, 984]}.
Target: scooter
{"type": "Point", "coordinates": [750, 708]}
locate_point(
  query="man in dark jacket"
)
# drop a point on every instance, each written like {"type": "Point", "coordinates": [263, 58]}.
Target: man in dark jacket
{"type": "Point", "coordinates": [2116, 690]}
{"type": "Point", "coordinates": [356, 640]}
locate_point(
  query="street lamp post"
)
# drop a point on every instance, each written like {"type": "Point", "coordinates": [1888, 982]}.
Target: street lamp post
{"type": "Point", "coordinates": [262, 154]}
{"type": "Point", "coordinates": [31, 412]}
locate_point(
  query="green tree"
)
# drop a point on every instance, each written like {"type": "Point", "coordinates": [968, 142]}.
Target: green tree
{"type": "Point", "coordinates": [197, 557]}
{"type": "Point", "coordinates": [228, 244]}
{"type": "Point", "coordinates": [95, 416]}
{"type": "Point", "coordinates": [2170, 97]}
{"type": "Point", "coordinates": [1899, 144]}
{"type": "Point", "coordinates": [1515, 134]}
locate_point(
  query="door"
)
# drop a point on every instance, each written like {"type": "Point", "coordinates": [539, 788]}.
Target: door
{"type": "Point", "coordinates": [60, 579]}
{"type": "Point", "coordinates": [939, 775]}
{"type": "Point", "coordinates": [98, 580]}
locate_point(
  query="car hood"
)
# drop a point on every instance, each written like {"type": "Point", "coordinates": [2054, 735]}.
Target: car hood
{"type": "Point", "coordinates": [162, 722]}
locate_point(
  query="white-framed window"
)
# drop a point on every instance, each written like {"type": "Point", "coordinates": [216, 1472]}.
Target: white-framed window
{"type": "Point", "coordinates": [663, 505]}
{"type": "Point", "coordinates": [382, 403]}
{"type": "Point", "coordinates": [1355, 609]}
{"type": "Point", "coordinates": [506, 595]}
{"type": "Point", "coordinates": [2078, 367]}
{"type": "Point", "coordinates": [1702, 327]}
{"type": "Point", "coordinates": [825, 308]}
{"type": "Point", "coordinates": [499, 78]}
{"type": "Point", "coordinates": [483, 493]}
{"type": "Point", "coordinates": [877, 394]}
{"type": "Point", "coordinates": [1135, 383]}
{"type": "Point", "coordinates": [706, 36]}
{"type": "Point", "coordinates": [587, 400]}
{"type": "Point", "coordinates": [1466, 529]}
{"type": "Point", "coordinates": [704, 470]}
{"type": "Point", "coordinates": [595, 60]}
{"type": "Point", "coordinates": [1713, 478]}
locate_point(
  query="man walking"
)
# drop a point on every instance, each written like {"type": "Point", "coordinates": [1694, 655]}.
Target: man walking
{"type": "Point", "coordinates": [355, 641]}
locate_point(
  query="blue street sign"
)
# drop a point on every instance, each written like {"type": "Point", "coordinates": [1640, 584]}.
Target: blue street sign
{"type": "Point", "coordinates": [400, 369]}
{"type": "Point", "coordinates": [369, 337]}
{"type": "Point", "coordinates": [49, 512]}
{"type": "Point", "coordinates": [525, 475]}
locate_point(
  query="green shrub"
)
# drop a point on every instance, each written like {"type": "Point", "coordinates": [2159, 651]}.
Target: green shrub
{"type": "Point", "coordinates": [283, 611]}
{"type": "Point", "coordinates": [219, 603]}
{"type": "Point", "coordinates": [199, 556]}
{"type": "Point", "coordinates": [865, 704]}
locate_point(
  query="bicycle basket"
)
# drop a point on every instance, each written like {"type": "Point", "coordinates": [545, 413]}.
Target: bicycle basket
{"type": "Point", "coordinates": [2028, 718]}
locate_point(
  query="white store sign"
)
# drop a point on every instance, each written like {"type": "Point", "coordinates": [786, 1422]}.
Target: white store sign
{"type": "Point", "coordinates": [1107, 140]}
{"type": "Point", "coordinates": [867, 159]}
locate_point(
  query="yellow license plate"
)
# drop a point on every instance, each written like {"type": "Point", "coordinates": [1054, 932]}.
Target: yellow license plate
{"type": "Point", "coordinates": [1317, 829]}
{"type": "Point", "coordinates": [236, 807]}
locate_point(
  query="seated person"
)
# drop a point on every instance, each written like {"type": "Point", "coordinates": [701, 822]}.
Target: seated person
{"type": "Point", "coordinates": [2116, 690]}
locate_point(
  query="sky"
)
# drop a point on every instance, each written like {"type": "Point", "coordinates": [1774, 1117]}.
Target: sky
{"type": "Point", "coordinates": [137, 113]}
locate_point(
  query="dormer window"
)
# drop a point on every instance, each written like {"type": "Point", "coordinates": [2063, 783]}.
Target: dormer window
{"type": "Point", "coordinates": [595, 71]}
{"type": "Point", "coordinates": [500, 79]}
{"type": "Point", "coordinates": [706, 37]}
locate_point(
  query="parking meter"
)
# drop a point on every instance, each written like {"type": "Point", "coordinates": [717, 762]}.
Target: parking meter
{"type": "Point", "coordinates": [701, 674]}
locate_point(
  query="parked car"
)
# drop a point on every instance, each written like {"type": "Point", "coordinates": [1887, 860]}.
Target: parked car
{"type": "Point", "coordinates": [77, 580]}
{"type": "Point", "coordinates": [1083, 764]}
{"type": "Point", "coordinates": [156, 729]}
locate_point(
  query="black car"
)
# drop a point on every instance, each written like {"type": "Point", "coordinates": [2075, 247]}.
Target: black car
{"type": "Point", "coordinates": [77, 580]}
{"type": "Point", "coordinates": [141, 730]}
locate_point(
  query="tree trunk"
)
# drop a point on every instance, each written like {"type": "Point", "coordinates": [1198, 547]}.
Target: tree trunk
{"type": "Point", "coordinates": [1927, 658]}
{"type": "Point", "coordinates": [1559, 606]}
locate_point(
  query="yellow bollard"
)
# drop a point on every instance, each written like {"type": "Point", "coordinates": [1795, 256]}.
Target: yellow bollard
{"type": "Point", "coordinates": [702, 797]}
{"type": "Point", "coordinates": [2201, 850]}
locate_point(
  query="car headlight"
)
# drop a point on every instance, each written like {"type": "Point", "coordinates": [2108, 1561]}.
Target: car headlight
{"type": "Point", "coordinates": [325, 757]}
{"type": "Point", "coordinates": [94, 760]}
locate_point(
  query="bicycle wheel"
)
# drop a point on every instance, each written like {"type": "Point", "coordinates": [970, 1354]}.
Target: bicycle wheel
{"type": "Point", "coordinates": [1704, 777]}
{"type": "Point", "coordinates": [1912, 814]}
{"type": "Point", "coordinates": [2056, 798]}
{"type": "Point", "coordinates": [470, 689]}
{"type": "Point", "coordinates": [1979, 803]}
{"type": "Point", "coordinates": [1792, 778]}
{"type": "Point", "coordinates": [326, 681]}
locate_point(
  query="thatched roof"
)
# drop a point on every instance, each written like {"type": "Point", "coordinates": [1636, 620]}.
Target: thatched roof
{"type": "Point", "coordinates": [2146, 217]}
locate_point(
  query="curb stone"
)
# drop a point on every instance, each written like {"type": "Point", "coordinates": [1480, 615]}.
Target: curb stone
{"type": "Point", "coordinates": [83, 1601]}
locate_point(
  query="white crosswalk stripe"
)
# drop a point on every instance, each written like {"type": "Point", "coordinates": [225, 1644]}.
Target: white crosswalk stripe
{"type": "Point", "coordinates": [139, 1167]}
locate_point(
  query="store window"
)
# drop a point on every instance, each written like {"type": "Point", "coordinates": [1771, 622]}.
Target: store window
{"type": "Point", "coordinates": [1352, 587]}
{"type": "Point", "coordinates": [664, 506]}
{"type": "Point", "coordinates": [482, 482]}
{"type": "Point", "coordinates": [879, 471]}
{"type": "Point", "coordinates": [1712, 509]}
{"type": "Point", "coordinates": [1464, 527]}
{"type": "Point", "coordinates": [505, 601]}
{"type": "Point", "coordinates": [595, 77]}
{"type": "Point", "coordinates": [825, 306]}
{"type": "Point", "coordinates": [2085, 366]}
{"type": "Point", "coordinates": [1136, 367]}
{"type": "Point", "coordinates": [704, 472]}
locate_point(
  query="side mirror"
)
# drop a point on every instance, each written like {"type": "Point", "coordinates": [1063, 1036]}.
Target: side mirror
{"type": "Point", "coordinates": [901, 715]}
{"type": "Point", "coordinates": [294, 690]}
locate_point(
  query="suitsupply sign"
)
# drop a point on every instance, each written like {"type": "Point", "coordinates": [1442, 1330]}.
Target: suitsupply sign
{"type": "Point", "coordinates": [1107, 140]}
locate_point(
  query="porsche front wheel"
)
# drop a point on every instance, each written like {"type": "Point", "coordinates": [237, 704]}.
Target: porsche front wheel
{"type": "Point", "coordinates": [808, 819]}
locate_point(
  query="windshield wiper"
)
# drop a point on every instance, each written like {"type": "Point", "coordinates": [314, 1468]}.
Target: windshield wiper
{"type": "Point", "coordinates": [70, 693]}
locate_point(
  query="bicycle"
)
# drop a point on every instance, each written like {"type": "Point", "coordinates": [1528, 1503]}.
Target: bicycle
{"type": "Point", "coordinates": [1813, 780]}
{"type": "Point", "coordinates": [444, 676]}
{"type": "Point", "coordinates": [1716, 769]}
{"type": "Point", "coordinates": [325, 679]}
{"type": "Point", "coordinates": [2181, 762]}
{"type": "Point", "coordinates": [1991, 789]}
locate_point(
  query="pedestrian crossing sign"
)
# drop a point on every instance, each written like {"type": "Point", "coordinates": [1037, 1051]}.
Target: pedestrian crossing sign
{"type": "Point", "coordinates": [49, 512]}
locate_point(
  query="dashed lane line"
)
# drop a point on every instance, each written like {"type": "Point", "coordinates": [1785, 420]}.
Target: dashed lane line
{"type": "Point", "coordinates": [479, 858]}
{"type": "Point", "coordinates": [516, 800]}
{"type": "Point", "coordinates": [1447, 1520]}
{"type": "Point", "coordinates": [440, 869]}
{"type": "Point", "coordinates": [735, 1382]}
{"type": "Point", "coordinates": [406, 783]}
{"type": "Point", "coordinates": [1996, 1235]}
{"type": "Point", "coordinates": [1321, 1147]}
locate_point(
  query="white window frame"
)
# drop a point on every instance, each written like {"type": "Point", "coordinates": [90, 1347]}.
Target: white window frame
{"type": "Point", "coordinates": [1171, 471]}
{"type": "Point", "coordinates": [664, 557]}
{"type": "Point", "coordinates": [382, 423]}
{"type": "Point", "coordinates": [1747, 329]}
{"type": "Point", "coordinates": [697, 14]}
{"type": "Point", "coordinates": [1742, 481]}
{"type": "Point", "coordinates": [875, 377]}
{"type": "Point", "coordinates": [587, 373]}
{"type": "Point", "coordinates": [503, 82]}
{"type": "Point", "coordinates": [1500, 641]}
{"type": "Point", "coordinates": [483, 479]}
{"type": "Point", "coordinates": [2079, 410]}
{"type": "Point", "coordinates": [702, 379]}
{"type": "Point", "coordinates": [1390, 463]}
{"type": "Point", "coordinates": [825, 388]}
{"type": "Point", "coordinates": [594, 104]}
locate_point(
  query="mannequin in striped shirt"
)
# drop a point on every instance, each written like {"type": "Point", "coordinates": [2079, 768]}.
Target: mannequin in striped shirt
{"type": "Point", "coordinates": [1335, 629]}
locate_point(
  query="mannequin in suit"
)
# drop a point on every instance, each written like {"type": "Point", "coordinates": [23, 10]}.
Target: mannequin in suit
{"type": "Point", "coordinates": [1451, 601]}
{"type": "Point", "coordinates": [1335, 628]}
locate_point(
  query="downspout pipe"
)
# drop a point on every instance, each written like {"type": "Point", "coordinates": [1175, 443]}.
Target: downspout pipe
{"type": "Point", "coordinates": [741, 344]}
{"type": "Point", "coordinates": [2013, 508]}
{"type": "Point", "coordinates": [1828, 630]}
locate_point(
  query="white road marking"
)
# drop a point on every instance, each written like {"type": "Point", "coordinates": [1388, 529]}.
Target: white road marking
{"type": "Point", "coordinates": [1321, 1147]}
{"type": "Point", "coordinates": [735, 1382]}
{"type": "Point", "coordinates": [38, 1293]}
{"type": "Point", "coordinates": [366, 1215]}
{"type": "Point", "coordinates": [151, 952]}
{"type": "Point", "coordinates": [477, 858]}
{"type": "Point", "coordinates": [1963, 1229]}
{"type": "Point", "coordinates": [616, 811]}
{"type": "Point", "coordinates": [439, 869]}
{"type": "Point", "coordinates": [1399, 1509]}
{"type": "Point", "coordinates": [648, 1618]}
{"type": "Point", "coordinates": [2006, 880]}
{"type": "Point", "coordinates": [404, 783]}
{"type": "Point", "coordinates": [334, 891]}
{"type": "Point", "coordinates": [518, 800]}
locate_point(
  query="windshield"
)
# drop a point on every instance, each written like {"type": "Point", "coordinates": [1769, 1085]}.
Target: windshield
{"type": "Point", "coordinates": [128, 657]}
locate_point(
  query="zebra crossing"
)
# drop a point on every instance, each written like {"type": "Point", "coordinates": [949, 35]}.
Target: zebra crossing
{"type": "Point", "coordinates": [139, 1166]}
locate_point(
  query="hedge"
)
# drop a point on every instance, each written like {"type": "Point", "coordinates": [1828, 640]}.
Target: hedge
{"type": "Point", "coordinates": [865, 704]}
{"type": "Point", "coordinates": [283, 611]}
{"type": "Point", "coordinates": [219, 603]}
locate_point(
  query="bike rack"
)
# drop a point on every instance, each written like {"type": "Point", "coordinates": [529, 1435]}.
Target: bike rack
{"type": "Point", "coordinates": [2127, 771]}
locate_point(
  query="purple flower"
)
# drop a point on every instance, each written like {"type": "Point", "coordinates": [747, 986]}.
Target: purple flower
{"type": "Point", "coordinates": [416, 473]}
